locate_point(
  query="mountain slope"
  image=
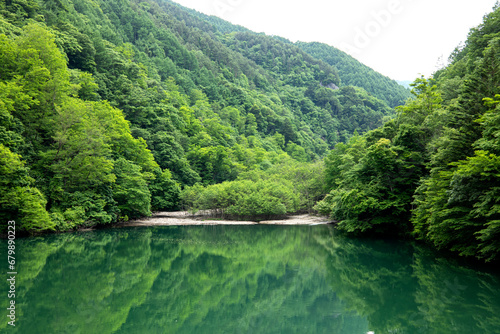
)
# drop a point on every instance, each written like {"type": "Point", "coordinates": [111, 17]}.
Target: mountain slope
{"type": "Point", "coordinates": [350, 71]}
{"type": "Point", "coordinates": [354, 73]}
{"type": "Point", "coordinates": [433, 172]}
{"type": "Point", "coordinates": [110, 107]}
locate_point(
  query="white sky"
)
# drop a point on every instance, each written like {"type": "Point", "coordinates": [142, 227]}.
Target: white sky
{"type": "Point", "coordinates": [401, 39]}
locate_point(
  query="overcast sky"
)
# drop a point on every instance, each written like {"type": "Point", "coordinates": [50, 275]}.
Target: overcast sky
{"type": "Point", "coordinates": [401, 39]}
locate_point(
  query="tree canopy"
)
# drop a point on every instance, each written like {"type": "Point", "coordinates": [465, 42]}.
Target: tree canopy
{"type": "Point", "coordinates": [109, 109]}
{"type": "Point", "coordinates": [432, 172]}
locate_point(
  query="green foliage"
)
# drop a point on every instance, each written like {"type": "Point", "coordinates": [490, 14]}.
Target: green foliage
{"type": "Point", "coordinates": [164, 192]}
{"type": "Point", "coordinates": [243, 199]}
{"type": "Point", "coordinates": [19, 200]}
{"type": "Point", "coordinates": [131, 190]}
{"type": "Point", "coordinates": [69, 219]}
{"type": "Point", "coordinates": [436, 164]}
{"type": "Point", "coordinates": [116, 106]}
{"type": "Point", "coordinates": [281, 189]}
{"type": "Point", "coordinates": [372, 178]}
{"type": "Point", "coordinates": [17, 11]}
{"type": "Point", "coordinates": [71, 145]}
{"type": "Point", "coordinates": [353, 73]}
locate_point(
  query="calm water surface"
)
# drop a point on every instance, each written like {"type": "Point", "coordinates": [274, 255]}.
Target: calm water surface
{"type": "Point", "coordinates": [243, 279]}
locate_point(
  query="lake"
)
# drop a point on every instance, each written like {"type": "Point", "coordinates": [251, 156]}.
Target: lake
{"type": "Point", "coordinates": [243, 279]}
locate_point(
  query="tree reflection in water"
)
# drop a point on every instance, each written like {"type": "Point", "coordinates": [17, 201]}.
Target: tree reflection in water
{"type": "Point", "coordinates": [244, 279]}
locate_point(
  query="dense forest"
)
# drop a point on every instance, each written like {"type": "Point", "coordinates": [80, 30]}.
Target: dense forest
{"type": "Point", "coordinates": [354, 73]}
{"type": "Point", "coordinates": [432, 172]}
{"type": "Point", "coordinates": [111, 110]}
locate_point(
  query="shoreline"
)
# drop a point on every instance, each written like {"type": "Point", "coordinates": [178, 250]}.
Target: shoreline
{"type": "Point", "coordinates": [179, 218]}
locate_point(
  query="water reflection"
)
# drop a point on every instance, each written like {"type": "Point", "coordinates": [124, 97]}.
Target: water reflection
{"type": "Point", "coordinates": [247, 279]}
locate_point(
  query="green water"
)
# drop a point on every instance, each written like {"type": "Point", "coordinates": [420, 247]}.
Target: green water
{"type": "Point", "coordinates": [243, 279]}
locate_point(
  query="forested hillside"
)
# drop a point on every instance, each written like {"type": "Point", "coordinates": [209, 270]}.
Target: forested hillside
{"type": "Point", "coordinates": [113, 109]}
{"type": "Point", "coordinates": [354, 73]}
{"type": "Point", "coordinates": [109, 109]}
{"type": "Point", "coordinates": [350, 71]}
{"type": "Point", "coordinates": [433, 172]}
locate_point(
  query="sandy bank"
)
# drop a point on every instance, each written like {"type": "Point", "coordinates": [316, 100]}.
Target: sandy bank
{"type": "Point", "coordinates": [184, 218]}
